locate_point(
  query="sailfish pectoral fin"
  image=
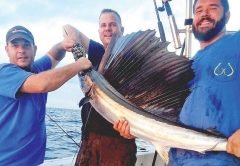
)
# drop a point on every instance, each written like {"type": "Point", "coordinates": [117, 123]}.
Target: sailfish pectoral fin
{"type": "Point", "coordinates": [84, 101]}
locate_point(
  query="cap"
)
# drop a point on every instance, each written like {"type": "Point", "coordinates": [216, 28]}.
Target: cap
{"type": "Point", "coordinates": [19, 32]}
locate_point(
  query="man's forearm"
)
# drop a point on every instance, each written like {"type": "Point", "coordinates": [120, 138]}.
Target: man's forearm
{"type": "Point", "coordinates": [50, 80]}
{"type": "Point", "coordinates": [56, 53]}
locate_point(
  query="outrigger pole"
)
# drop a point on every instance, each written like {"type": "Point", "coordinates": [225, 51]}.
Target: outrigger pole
{"type": "Point", "coordinates": [186, 46]}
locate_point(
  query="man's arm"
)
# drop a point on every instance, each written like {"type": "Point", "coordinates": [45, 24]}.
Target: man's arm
{"type": "Point", "coordinates": [233, 145]}
{"type": "Point", "coordinates": [72, 36]}
{"type": "Point", "coordinates": [94, 50]}
{"type": "Point", "coordinates": [56, 54]}
{"type": "Point", "coordinates": [58, 51]}
{"type": "Point", "coordinates": [52, 79]}
{"type": "Point", "coordinates": [77, 36]}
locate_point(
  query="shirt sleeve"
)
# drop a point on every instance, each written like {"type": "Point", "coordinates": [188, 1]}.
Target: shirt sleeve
{"type": "Point", "coordinates": [42, 64]}
{"type": "Point", "coordinates": [12, 78]}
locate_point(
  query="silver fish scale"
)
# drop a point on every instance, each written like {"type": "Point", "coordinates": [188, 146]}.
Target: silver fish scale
{"type": "Point", "coordinates": [78, 51]}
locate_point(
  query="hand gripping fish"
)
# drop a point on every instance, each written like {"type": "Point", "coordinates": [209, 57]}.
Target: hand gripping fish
{"type": "Point", "coordinates": [139, 80]}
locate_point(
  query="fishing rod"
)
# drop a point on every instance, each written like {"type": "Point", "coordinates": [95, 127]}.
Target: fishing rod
{"type": "Point", "coordinates": [69, 136]}
{"type": "Point", "coordinates": [78, 144]}
{"type": "Point", "coordinates": [160, 25]}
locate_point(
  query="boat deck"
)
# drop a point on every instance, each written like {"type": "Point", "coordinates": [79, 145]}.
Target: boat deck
{"type": "Point", "coordinates": [144, 158]}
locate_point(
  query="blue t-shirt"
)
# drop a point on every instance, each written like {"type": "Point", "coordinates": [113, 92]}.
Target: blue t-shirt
{"type": "Point", "coordinates": [214, 102]}
{"type": "Point", "coordinates": [22, 117]}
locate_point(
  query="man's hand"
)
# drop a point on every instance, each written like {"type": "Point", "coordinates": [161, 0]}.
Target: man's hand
{"type": "Point", "coordinates": [123, 128]}
{"type": "Point", "coordinates": [67, 44]}
{"type": "Point", "coordinates": [84, 63]}
{"type": "Point", "coordinates": [233, 145]}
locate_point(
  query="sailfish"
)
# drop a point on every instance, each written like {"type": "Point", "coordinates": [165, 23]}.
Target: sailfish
{"type": "Point", "coordinates": [140, 80]}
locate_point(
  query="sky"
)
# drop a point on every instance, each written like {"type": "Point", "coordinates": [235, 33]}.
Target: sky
{"type": "Point", "coordinates": [45, 19]}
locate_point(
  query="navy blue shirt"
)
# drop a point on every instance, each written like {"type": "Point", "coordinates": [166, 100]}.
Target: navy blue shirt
{"type": "Point", "coordinates": [92, 120]}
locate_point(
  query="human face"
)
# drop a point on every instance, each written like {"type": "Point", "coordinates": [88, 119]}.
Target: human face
{"type": "Point", "coordinates": [21, 53]}
{"type": "Point", "coordinates": [108, 25]}
{"type": "Point", "coordinates": [209, 19]}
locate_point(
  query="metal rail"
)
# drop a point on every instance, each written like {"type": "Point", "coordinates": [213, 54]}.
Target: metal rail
{"type": "Point", "coordinates": [187, 45]}
{"type": "Point", "coordinates": [188, 29]}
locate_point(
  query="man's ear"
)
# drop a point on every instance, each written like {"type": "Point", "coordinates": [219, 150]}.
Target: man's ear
{"type": "Point", "coordinates": [227, 15]}
{"type": "Point", "coordinates": [99, 30]}
{"type": "Point", "coordinates": [122, 30]}
{"type": "Point", "coordinates": [35, 49]}
{"type": "Point", "coordinates": [6, 49]}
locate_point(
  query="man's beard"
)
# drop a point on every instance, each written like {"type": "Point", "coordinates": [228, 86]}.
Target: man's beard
{"type": "Point", "coordinates": [211, 33]}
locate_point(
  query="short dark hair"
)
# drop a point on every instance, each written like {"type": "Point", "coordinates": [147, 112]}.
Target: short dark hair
{"type": "Point", "coordinates": [225, 5]}
{"type": "Point", "coordinates": [111, 11]}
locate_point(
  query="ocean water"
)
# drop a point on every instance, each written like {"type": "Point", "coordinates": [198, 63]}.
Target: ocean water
{"type": "Point", "coordinates": [59, 145]}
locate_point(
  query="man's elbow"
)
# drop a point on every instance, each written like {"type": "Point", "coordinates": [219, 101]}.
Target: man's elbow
{"type": "Point", "coordinates": [35, 85]}
{"type": "Point", "coordinates": [44, 88]}
{"type": "Point", "coordinates": [47, 86]}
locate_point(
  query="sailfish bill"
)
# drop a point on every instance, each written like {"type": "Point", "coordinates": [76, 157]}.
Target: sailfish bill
{"type": "Point", "coordinates": [139, 80]}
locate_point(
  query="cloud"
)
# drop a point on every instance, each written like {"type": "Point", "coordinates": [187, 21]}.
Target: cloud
{"type": "Point", "coordinates": [233, 23]}
{"type": "Point", "coordinates": [5, 4]}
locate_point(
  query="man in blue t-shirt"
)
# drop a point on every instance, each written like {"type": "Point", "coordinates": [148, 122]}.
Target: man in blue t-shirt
{"type": "Point", "coordinates": [101, 144]}
{"type": "Point", "coordinates": [24, 85]}
{"type": "Point", "coordinates": [213, 103]}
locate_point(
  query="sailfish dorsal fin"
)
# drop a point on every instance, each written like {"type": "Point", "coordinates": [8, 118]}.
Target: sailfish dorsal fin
{"type": "Point", "coordinates": [141, 68]}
